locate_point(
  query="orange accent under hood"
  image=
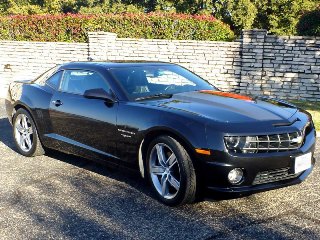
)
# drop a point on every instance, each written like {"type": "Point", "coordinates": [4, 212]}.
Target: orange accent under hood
{"type": "Point", "coordinates": [227, 94]}
{"type": "Point", "coordinates": [203, 151]}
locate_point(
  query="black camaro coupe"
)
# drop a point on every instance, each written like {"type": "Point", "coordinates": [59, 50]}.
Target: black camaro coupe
{"type": "Point", "coordinates": [182, 133]}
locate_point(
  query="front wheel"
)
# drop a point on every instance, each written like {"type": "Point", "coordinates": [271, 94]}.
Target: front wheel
{"type": "Point", "coordinates": [171, 172]}
{"type": "Point", "coordinates": [25, 134]}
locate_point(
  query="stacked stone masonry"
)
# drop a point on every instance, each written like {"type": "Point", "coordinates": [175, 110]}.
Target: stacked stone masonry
{"type": "Point", "coordinates": [218, 62]}
{"type": "Point", "coordinates": [282, 67]}
{"type": "Point", "coordinates": [27, 60]}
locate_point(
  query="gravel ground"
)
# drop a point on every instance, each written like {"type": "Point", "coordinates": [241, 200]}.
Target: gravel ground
{"type": "Point", "coordinates": [58, 196]}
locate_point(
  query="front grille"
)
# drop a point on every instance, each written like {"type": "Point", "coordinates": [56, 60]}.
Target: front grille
{"type": "Point", "coordinates": [274, 176]}
{"type": "Point", "coordinates": [274, 142]}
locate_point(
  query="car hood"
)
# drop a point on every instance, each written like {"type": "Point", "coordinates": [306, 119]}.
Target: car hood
{"type": "Point", "coordinates": [229, 107]}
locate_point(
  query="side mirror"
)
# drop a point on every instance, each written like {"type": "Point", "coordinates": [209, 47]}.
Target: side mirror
{"type": "Point", "coordinates": [99, 93]}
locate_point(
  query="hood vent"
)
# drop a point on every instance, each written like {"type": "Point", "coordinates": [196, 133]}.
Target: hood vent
{"type": "Point", "coordinates": [286, 124]}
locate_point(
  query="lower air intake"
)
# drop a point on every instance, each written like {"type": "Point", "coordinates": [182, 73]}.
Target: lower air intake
{"type": "Point", "coordinates": [274, 176]}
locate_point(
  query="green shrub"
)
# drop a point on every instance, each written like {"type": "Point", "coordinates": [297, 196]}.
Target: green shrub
{"type": "Point", "coordinates": [27, 10]}
{"type": "Point", "coordinates": [309, 24]}
{"type": "Point", "coordinates": [74, 27]}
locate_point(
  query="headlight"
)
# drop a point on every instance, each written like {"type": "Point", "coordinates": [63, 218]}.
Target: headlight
{"type": "Point", "coordinates": [308, 128]}
{"type": "Point", "coordinates": [239, 144]}
{"type": "Point", "coordinates": [234, 142]}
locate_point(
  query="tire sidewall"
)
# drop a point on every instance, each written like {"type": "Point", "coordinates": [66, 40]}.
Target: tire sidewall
{"type": "Point", "coordinates": [34, 135]}
{"type": "Point", "coordinates": [180, 159]}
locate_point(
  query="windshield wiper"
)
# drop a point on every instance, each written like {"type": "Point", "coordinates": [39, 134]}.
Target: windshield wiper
{"type": "Point", "coordinates": [160, 95]}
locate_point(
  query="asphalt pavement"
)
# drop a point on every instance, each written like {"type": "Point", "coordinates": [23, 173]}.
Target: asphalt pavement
{"type": "Point", "coordinates": [58, 196]}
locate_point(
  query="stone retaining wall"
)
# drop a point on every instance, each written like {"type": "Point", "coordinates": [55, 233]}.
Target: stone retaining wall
{"type": "Point", "coordinates": [283, 67]}
{"type": "Point", "coordinates": [218, 62]}
{"type": "Point", "coordinates": [27, 60]}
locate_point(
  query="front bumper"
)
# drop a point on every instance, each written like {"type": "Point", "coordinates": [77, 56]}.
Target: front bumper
{"type": "Point", "coordinates": [217, 168]}
{"type": "Point", "coordinates": [261, 187]}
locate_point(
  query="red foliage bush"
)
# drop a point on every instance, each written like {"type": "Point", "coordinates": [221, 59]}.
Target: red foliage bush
{"type": "Point", "coordinates": [74, 27]}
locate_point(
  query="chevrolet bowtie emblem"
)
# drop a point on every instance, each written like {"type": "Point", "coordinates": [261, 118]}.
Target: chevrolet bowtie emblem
{"type": "Point", "coordinates": [298, 139]}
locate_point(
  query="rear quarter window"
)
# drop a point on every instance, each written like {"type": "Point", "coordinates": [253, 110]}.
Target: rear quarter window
{"type": "Point", "coordinates": [41, 80]}
{"type": "Point", "coordinates": [54, 80]}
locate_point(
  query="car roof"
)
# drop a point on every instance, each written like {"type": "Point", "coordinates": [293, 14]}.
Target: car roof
{"type": "Point", "coordinates": [112, 64]}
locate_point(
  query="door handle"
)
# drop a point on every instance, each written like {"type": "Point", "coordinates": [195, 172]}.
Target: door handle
{"type": "Point", "coordinates": [57, 103]}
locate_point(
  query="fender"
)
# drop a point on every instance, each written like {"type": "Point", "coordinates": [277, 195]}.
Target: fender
{"type": "Point", "coordinates": [157, 131]}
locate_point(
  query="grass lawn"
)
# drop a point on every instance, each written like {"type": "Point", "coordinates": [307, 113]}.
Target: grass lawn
{"type": "Point", "coordinates": [311, 107]}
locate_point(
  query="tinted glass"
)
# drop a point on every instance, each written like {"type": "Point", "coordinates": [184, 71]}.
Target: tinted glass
{"type": "Point", "coordinates": [41, 80]}
{"type": "Point", "coordinates": [54, 80]}
{"type": "Point", "coordinates": [144, 81]}
{"type": "Point", "coordinates": [78, 81]}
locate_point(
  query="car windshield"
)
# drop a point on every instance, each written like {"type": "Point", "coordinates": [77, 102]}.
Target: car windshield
{"type": "Point", "coordinates": [142, 82]}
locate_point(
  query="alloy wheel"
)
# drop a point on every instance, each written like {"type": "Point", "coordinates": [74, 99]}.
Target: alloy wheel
{"type": "Point", "coordinates": [165, 171]}
{"type": "Point", "coordinates": [23, 132]}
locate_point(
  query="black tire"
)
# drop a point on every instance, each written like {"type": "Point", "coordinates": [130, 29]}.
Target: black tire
{"type": "Point", "coordinates": [36, 148]}
{"type": "Point", "coordinates": [187, 186]}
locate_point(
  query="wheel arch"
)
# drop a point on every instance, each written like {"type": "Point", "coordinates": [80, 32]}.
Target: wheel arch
{"type": "Point", "coordinates": [154, 133]}
{"type": "Point", "coordinates": [37, 148]}
{"type": "Point", "coordinates": [20, 105]}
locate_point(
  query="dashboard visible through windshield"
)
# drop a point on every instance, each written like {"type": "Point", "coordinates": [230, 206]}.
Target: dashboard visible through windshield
{"type": "Point", "coordinates": [141, 82]}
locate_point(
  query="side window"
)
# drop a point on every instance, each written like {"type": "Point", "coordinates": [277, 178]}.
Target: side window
{"type": "Point", "coordinates": [54, 80]}
{"type": "Point", "coordinates": [78, 81]}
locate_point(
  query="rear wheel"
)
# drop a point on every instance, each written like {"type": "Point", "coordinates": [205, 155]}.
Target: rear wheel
{"type": "Point", "coordinates": [25, 134]}
{"type": "Point", "coordinates": [171, 172]}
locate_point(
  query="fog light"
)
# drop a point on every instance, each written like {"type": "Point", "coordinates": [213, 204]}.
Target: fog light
{"type": "Point", "coordinates": [235, 176]}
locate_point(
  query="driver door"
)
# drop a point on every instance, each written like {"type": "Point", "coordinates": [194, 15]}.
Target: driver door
{"type": "Point", "coordinates": [83, 126]}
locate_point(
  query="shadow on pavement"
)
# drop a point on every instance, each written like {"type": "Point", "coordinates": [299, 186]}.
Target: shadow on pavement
{"type": "Point", "coordinates": [131, 178]}
{"type": "Point", "coordinates": [6, 133]}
